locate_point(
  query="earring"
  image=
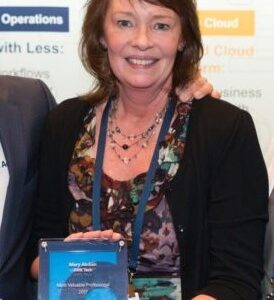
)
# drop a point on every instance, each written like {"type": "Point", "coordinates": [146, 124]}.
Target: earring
{"type": "Point", "coordinates": [103, 44]}
{"type": "Point", "coordinates": [181, 47]}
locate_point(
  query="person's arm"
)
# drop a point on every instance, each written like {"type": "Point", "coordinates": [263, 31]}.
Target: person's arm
{"type": "Point", "coordinates": [198, 88]}
{"type": "Point", "coordinates": [237, 213]}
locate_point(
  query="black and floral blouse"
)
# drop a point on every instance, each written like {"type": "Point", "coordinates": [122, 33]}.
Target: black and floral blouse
{"type": "Point", "coordinates": [158, 263]}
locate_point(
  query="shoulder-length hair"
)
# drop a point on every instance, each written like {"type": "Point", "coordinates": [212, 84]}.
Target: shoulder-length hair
{"type": "Point", "coordinates": [95, 58]}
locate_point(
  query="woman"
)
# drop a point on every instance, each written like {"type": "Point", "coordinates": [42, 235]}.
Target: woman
{"type": "Point", "coordinates": [191, 174]}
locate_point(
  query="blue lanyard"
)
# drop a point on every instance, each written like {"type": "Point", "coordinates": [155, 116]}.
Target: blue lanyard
{"type": "Point", "coordinates": [138, 222]}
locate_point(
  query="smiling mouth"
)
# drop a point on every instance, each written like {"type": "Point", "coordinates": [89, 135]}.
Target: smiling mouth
{"type": "Point", "coordinates": [141, 62]}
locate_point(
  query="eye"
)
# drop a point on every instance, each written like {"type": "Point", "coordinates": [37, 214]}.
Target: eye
{"type": "Point", "coordinates": [161, 26]}
{"type": "Point", "coordinates": [124, 23]}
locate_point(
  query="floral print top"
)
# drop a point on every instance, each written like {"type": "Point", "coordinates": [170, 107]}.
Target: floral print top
{"type": "Point", "coordinates": [159, 253]}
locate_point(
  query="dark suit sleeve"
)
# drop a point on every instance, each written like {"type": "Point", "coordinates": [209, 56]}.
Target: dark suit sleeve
{"type": "Point", "coordinates": [30, 101]}
{"type": "Point", "coordinates": [237, 214]}
{"type": "Point", "coordinates": [47, 93]}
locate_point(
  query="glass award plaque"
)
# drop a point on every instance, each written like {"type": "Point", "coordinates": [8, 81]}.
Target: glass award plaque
{"type": "Point", "coordinates": [82, 269]}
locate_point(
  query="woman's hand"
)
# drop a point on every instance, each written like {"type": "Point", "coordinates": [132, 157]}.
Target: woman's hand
{"type": "Point", "coordinates": [34, 269]}
{"type": "Point", "coordinates": [198, 88]}
{"type": "Point", "coordinates": [203, 297]}
{"type": "Point", "coordinates": [104, 234]}
{"type": "Point", "coordinates": [98, 234]}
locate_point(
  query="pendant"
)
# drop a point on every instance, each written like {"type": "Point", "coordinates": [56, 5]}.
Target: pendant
{"type": "Point", "coordinates": [126, 160]}
{"type": "Point", "coordinates": [125, 146]}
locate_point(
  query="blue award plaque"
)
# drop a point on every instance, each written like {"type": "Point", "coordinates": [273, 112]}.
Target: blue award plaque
{"type": "Point", "coordinates": [83, 269]}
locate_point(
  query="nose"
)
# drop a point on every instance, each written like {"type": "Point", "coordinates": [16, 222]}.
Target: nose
{"type": "Point", "coordinates": [142, 38]}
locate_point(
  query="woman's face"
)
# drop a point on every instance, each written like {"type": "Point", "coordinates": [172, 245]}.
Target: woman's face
{"type": "Point", "coordinates": [142, 41]}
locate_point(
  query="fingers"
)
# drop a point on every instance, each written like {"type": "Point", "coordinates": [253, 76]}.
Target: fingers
{"type": "Point", "coordinates": [116, 236]}
{"type": "Point", "coordinates": [203, 89]}
{"type": "Point", "coordinates": [184, 94]}
{"type": "Point", "coordinates": [92, 234]}
{"type": "Point", "coordinates": [104, 234]}
{"type": "Point", "coordinates": [216, 94]}
{"type": "Point", "coordinates": [198, 88]}
{"type": "Point", "coordinates": [74, 236]}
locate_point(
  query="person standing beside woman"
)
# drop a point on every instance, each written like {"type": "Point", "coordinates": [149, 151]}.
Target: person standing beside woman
{"type": "Point", "coordinates": [184, 183]}
{"type": "Point", "coordinates": [24, 105]}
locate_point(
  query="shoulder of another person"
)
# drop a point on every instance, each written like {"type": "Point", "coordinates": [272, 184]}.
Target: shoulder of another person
{"type": "Point", "coordinates": [15, 84]}
{"type": "Point", "coordinates": [24, 92]}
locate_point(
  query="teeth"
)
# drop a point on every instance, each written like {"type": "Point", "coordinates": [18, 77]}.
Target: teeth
{"type": "Point", "coordinates": [142, 62]}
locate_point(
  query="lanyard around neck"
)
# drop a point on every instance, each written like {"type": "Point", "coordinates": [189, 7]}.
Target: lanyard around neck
{"type": "Point", "coordinates": [138, 222]}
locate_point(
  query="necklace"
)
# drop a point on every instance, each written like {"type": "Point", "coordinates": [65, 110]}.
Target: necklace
{"type": "Point", "coordinates": [157, 120]}
{"type": "Point", "coordinates": [127, 159]}
{"type": "Point", "coordinates": [139, 140]}
{"type": "Point", "coordinates": [127, 146]}
{"type": "Point", "coordinates": [131, 139]}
